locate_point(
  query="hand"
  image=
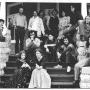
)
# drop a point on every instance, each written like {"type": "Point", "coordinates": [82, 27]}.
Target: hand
{"type": "Point", "coordinates": [15, 26]}
{"type": "Point", "coordinates": [47, 50]}
{"type": "Point", "coordinates": [45, 46]}
{"type": "Point", "coordinates": [25, 29]}
{"type": "Point", "coordinates": [38, 67]}
{"type": "Point", "coordinates": [58, 55]}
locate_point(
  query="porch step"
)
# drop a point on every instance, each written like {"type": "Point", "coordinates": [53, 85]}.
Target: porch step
{"type": "Point", "coordinates": [52, 70]}
{"type": "Point", "coordinates": [6, 77]}
{"type": "Point", "coordinates": [11, 64]}
{"type": "Point", "coordinates": [2, 84]}
{"type": "Point", "coordinates": [61, 77]}
{"type": "Point", "coordinates": [10, 70]}
{"type": "Point", "coordinates": [62, 83]}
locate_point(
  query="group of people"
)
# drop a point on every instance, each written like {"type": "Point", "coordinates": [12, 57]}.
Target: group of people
{"type": "Point", "coordinates": [53, 39]}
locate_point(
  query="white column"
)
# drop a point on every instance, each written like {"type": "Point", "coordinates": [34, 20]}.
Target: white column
{"type": "Point", "coordinates": [38, 6]}
{"type": "Point", "coordinates": [3, 10]}
{"type": "Point", "coordinates": [84, 9]}
{"type": "Point", "coordinates": [57, 7]}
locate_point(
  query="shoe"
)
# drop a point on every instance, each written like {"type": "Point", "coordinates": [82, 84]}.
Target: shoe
{"type": "Point", "coordinates": [58, 66]}
{"type": "Point", "coordinates": [76, 84]}
{"type": "Point", "coordinates": [68, 69]}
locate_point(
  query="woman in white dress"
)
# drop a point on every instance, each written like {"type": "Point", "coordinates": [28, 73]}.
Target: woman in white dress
{"type": "Point", "coordinates": [40, 78]}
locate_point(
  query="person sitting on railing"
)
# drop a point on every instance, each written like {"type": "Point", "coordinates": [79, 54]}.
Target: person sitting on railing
{"type": "Point", "coordinates": [83, 59]}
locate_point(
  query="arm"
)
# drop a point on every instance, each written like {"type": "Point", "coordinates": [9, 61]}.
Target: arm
{"type": "Point", "coordinates": [42, 27]}
{"type": "Point", "coordinates": [69, 48]}
{"type": "Point", "coordinates": [38, 67]}
{"type": "Point", "coordinates": [25, 23]}
{"type": "Point", "coordinates": [29, 25]}
{"type": "Point", "coordinates": [28, 41]}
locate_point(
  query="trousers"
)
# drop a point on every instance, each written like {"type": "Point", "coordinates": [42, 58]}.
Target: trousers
{"type": "Point", "coordinates": [19, 36]}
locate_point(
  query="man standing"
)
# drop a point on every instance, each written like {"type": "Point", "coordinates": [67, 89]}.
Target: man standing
{"type": "Point", "coordinates": [21, 25]}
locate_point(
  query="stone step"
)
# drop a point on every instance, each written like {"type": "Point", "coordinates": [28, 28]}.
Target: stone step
{"type": "Point", "coordinates": [6, 77]}
{"type": "Point", "coordinates": [11, 64]}
{"type": "Point", "coordinates": [12, 58]}
{"type": "Point", "coordinates": [2, 84]}
{"type": "Point", "coordinates": [62, 83]}
{"type": "Point", "coordinates": [10, 70]}
{"type": "Point", "coordinates": [50, 64]}
{"type": "Point", "coordinates": [61, 77]}
{"type": "Point", "coordinates": [52, 70]}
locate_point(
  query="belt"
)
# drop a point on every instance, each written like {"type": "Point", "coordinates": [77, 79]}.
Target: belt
{"type": "Point", "coordinates": [19, 27]}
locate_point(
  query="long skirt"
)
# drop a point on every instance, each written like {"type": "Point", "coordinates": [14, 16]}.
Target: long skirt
{"type": "Point", "coordinates": [40, 79]}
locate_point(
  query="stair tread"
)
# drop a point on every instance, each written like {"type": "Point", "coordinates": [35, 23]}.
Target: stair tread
{"type": "Point", "coordinates": [62, 83]}
{"type": "Point", "coordinates": [11, 68]}
{"type": "Point", "coordinates": [61, 75]}
{"type": "Point", "coordinates": [6, 75]}
{"type": "Point", "coordinates": [11, 61]}
{"type": "Point", "coordinates": [52, 68]}
{"type": "Point", "coordinates": [2, 82]}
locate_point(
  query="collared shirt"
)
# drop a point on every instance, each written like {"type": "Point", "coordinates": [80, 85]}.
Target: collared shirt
{"type": "Point", "coordinates": [87, 19]}
{"type": "Point", "coordinates": [36, 23]}
{"type": "Point", "coordinates": [64, 21]}
{"type": "Point", "coordinates": [20, 20]}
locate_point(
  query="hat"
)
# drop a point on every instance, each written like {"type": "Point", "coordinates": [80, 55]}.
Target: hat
{"type": "Point", "coordinates": [32, 32]}
{"type": "Point", "coordinates": [1, 20]}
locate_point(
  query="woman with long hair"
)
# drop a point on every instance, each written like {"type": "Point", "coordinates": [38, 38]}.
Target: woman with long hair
{"type": "Point", "coordinates": [40, 78]}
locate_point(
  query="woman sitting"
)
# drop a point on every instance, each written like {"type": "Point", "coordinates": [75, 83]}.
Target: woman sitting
{"type": "Point", "coordinates": [66, 54]}
{"type": "Point", "coordinates": [22, 74]}
{"type": "Point", "coordinates": [32, 43]}
{"type": "Point", "coordinates": [40, 78]}
{"type": "Point", "coordinates": [83, 59]}
{"type": "Point", "coordinates": [50, 45]}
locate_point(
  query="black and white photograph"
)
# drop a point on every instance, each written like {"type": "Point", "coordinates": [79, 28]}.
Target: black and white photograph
{"type": "Point", "coordinates": [45, 44]}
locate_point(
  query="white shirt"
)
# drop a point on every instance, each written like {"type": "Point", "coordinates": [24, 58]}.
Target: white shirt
{"type": "Point", "coordinates": [36, 23]}
{"type": "Point", "coordinates": [20, 20]}
{"type": "Point", "coordinates": [64, 21]}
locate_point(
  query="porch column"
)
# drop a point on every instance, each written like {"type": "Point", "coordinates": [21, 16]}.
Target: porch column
{"type": "Point", "coordinates": [84, 9]}
{"type": "Point", "coordinates": [57, 7]}
{"type": "Point", "coordinates": [3, 10]}
{"type": "Point", "coordinates": [38, 6]}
